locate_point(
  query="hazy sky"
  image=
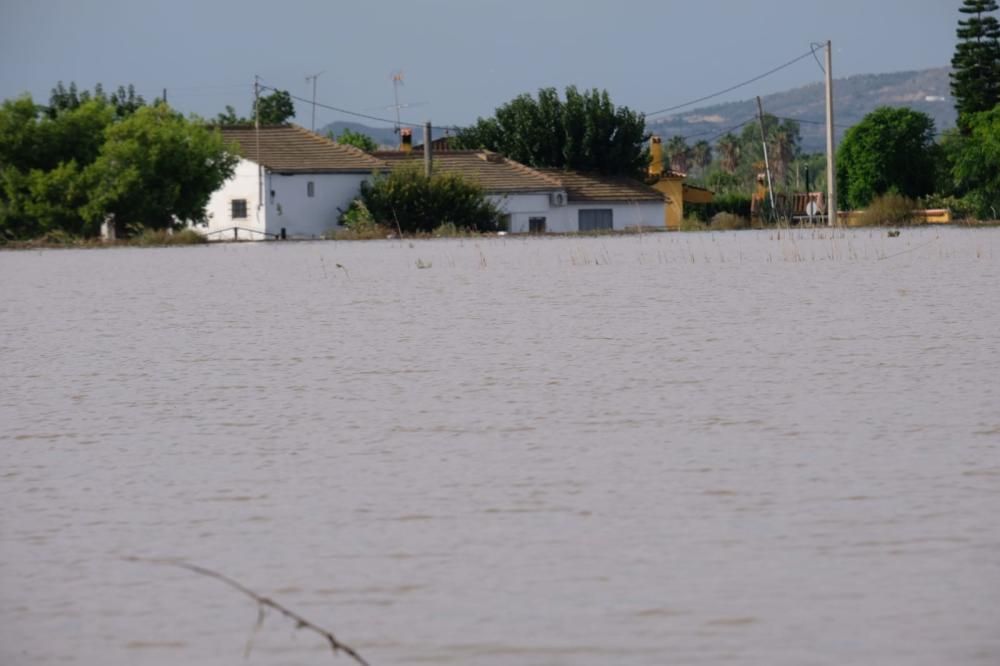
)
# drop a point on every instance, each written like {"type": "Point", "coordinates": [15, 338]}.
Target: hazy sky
{"type": "Point", "coordinates": [460, 58]}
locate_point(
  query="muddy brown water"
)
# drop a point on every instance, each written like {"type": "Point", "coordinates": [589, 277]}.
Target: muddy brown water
{"type": "Point", "coordinates": [729, 448]}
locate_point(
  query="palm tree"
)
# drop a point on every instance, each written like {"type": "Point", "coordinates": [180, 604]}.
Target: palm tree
{"type": "Point", "coordinates": [782, 150]}
{"type": "Point", "coordinates": [729, 152]}
{"type": "Point", "coordinates": [701, 155]}
{"type": "Point", "coordinates": [678, 153]}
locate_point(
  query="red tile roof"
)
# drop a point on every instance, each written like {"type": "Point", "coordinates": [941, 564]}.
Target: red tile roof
{"type": "Point", "coordinates": [294, 149]}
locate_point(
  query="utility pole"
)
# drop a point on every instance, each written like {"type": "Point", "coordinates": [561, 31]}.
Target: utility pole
{"type": "Point", "coordinates": [427, 149]}
{"type": "Point", "coordinates": [257, 158]}
{"type": "Point", "coordinates": [164, 95]}
{"type": "Point", "coordinates": [831, 174]}
{"type": "Point", "coordinates": [314, 77]}
{"type": "Point", "coordinates": [767, 163]}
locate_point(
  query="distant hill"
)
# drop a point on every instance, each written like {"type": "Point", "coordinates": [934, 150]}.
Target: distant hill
{"type": "Point", "coordinates": [925, 90]}
{"type": "Point", "coordinates": [384, 136]}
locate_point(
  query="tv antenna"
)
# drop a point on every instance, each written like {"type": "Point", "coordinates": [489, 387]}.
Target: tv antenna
{"type": "Point", "coordinates": [313, 77]}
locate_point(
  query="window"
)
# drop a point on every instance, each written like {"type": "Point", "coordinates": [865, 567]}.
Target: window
{"type": "Point", "coordinates": [536, 225]}
{"type": "Point", "coordinates": [239, 209]}
{"type": "Point", "coordinates": [310, 189]}
{"type": "Point", "coordinates": [596, 219]}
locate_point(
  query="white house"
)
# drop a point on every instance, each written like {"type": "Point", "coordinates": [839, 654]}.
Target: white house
{"type": "Point", "coordinates": [548, 200]}
{"type": "Point", "coordinates": [289, 182]}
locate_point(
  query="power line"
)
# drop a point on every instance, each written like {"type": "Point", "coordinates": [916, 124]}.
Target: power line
{"type": "Point", "coordinates": [388, 121]}
{"type": "Point", "coordinates": [732, 88]}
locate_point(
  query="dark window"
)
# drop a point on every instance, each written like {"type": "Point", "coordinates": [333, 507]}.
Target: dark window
{"type": "Point", "coordinates": [596, 219]}
{"type": "Point", "coordinates": [536, 225]}
{"type": "Point", "coordinates": [239, 209]}
{"type": "Point", "coordinates": [310, 189]}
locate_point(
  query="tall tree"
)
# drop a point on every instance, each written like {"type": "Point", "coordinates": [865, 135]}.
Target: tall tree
{"type": "Point", "coordinates": [975, 81]}
{"type": "Point", "coordinates": [891, 149]}
{"type": "Point", "coordinates": [701, 155]}
{"type": "Point", "coordinates": [977, 163]}
{"type": "Point", "coordinates": [275, 109]}
{"type": "Point", "coordinates": [678, 154]}
{"type": "Point", "coordinates": [728, 148]}
{"type": "Point", "coordinates": [585, 131]}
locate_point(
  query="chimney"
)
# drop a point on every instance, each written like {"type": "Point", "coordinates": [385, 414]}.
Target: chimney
{"type": "Point", "coordinates": [656, 156]}
{"type": "Point", "coordinates": [406, 139]}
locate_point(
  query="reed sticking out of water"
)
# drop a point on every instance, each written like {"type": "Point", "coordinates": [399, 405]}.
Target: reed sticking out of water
{"type": "Point", "coordinates": [263, 603]}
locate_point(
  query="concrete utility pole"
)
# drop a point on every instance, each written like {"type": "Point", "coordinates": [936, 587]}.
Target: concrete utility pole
{"type": "Point", "coordinates": [831, 174]}
{"type": "Point", "coordinates": [767, 163]}
{"type": "Point", "coordinates": [256, 127]}
{"type": "Point", "coordinates": [427, 149]}
{"type": "Point", "coordinates": [314, 77]}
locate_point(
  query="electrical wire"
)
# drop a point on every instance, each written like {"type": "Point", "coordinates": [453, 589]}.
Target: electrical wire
{"type": "Point", "coordinates": [732, 88]}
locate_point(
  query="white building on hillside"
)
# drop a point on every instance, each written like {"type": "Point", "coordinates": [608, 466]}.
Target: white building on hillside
{"type": "Point", "coordinates": [289, 182]}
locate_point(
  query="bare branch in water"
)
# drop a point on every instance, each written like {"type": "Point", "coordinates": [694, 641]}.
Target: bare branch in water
{"type": "Point", "coordinates": [262, 602]}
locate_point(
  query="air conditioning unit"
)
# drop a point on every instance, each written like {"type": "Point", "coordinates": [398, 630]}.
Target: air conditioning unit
{"type": "Point", "coordinates": [557, 199]}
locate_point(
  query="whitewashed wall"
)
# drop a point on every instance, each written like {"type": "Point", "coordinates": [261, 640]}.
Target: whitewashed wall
{"type": "Point", "coordinates": [624, 214]}
{"type": "Point", "coordinates": [302, 216]}
{"type": "Point", "coordinates": [242, 185]}
{"type": "Point", "coordinates": [522, 207]}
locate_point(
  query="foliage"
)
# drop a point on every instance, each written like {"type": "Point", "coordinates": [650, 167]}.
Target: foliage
{"type": "Point", "coordinates": [678, 154]}
{"type": "Point", "coordinates": [124, 101]}
{"type": "Point", "coordinates": [890, 150]}
{"type": "Point", "coordinates": [65, 166]}
{"type": "Point", "coordinates": [585, 132]}
{"type": "Point", "coordinates": [701, 155]}
{"type": "Point", "coordinates": [977, 164]}
{"type": "Point", "coordinates": [229, 118]}
{"type": "Point", "coordinates": [727, 221]}
{"type": "Point", "coordinates": [356, 139]}
{"type": "Point", "coordinates": [783, 138]}
{"type": "Point", "coordinates": [410, 201]}
{"type": "Point", "coordinates": [728, 151]}
{"type": "Point", "coordinates": [888, 209]}
{"type": "Point", "coordinates": [732, 203]}
{"type": "Point", "coordinates": [274, 109]}
{"type": "Point", "coordinates": [155, 168]}
{"type": "Point", "coordinates": [148, 237]}
{"type": "Point", "coordinates": [975, 81]}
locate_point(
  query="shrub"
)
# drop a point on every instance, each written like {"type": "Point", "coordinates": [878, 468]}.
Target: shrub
{"type": "Point", "coordinates": [734, 203]}
{"type": "Point", "coordinates": [411, 202]}
{"type": "Point", "coordinates": [728, 221]}
{"type": "Point", "coordinates": [888, 209]}
{"type": "Point", "coordinates": [148, 237]}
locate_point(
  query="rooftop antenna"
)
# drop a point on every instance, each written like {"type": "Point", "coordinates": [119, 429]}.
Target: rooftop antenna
{"type": "Point", "coordinates": [397, 80]}
{"type": "Point", "coordinates": [314, 77]}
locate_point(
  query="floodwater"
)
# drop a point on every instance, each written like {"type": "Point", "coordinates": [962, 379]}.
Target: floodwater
{"type": "Point", "coordinates": [729, 448]}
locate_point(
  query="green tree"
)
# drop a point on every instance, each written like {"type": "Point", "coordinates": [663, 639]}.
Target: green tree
{"type": "Point", "coordinates": [585, 131]}
{"type": "Point", "coordinates": [41, 161]}
{"type": "Point", "coordinates": [156, 169]}
{"type": "Point", "coordinates": [356, 139]}
{"type": "Point", "coordinates": [781, 134]}
{"type": "Point", "coordinates": [678, 154]}
{"type": "Point", "coordinates": [728, 150]}
{"type": "Point", "coordinates": [701, 155]}
{"type": "Point", "coordinates": [275, 109]}
{"type": "Point", "coordinates": [890, 150]}
{"type": "Point", "coordinates": [229, 118]}
{"type": "Point", "coordinates": [975, 81]}
{"type": "Point", "coordinates": [416, 203]}
{"type": "Point", "coordinates": [977, 163]}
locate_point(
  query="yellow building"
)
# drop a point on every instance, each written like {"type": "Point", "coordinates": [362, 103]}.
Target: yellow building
{"type": "Point", "coordinates": [672, 184]}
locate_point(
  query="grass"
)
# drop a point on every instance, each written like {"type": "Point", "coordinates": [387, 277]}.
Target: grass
{"type": "Point", "coordinates": [147, 238]}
